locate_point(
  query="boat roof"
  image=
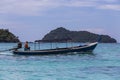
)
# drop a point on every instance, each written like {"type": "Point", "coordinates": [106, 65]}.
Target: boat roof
{"type": "Point", "coordinates": [55, 40]}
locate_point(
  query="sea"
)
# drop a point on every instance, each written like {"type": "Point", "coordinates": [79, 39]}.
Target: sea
{"type": "Point", "coordinates": [102, 64]}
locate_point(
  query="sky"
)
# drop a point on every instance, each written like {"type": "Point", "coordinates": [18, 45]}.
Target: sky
{"type": "Point", "coordinates": [32, 19]}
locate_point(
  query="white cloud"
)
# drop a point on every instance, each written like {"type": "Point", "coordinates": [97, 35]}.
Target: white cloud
{"type": "Point", "coordinates": [111, 7]}
{"type": "Point", "coordinates": [30, 7]}
{"type": "Point", "coordinates": [111, 0]}
{"type": "Point", "coordinates": [78, 3]}
{"type": "Point", "coordinates": [35, 7]}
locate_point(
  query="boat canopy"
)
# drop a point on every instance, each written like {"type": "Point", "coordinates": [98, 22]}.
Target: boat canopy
{"type": "Point", "coordinates": [55, 40]}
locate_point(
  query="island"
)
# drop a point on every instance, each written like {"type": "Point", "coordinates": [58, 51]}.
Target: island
{"type": "Point", "coordinates": [7, 36]}
{"type": "Point", "coordinates": [61, 33]}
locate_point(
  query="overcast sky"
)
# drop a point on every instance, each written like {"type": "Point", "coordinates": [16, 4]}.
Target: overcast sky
{"type": "Point", "coordinates": [32, 19]}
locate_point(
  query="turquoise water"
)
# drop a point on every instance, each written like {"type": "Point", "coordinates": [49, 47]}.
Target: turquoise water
{"type": "Point", "coordinates": [103, 64]}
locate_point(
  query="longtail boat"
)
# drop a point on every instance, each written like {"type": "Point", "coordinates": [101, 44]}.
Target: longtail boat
{"type": "Point", "coordinates": [84, 48]}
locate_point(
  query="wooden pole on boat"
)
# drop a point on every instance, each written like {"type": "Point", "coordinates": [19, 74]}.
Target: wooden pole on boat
{"type": "Point", "coordinates": [35, 46]}
{"type": "Point", "coordinates": [66, 44]}
{"type": "Point", "coordinates": [39, 45]}
{"type": "Point", "coordinates": [56, 45]}
{"type": "Point", "coordinates": [51, 45]}
{"type": "Point", "coordinates": [71, 43]}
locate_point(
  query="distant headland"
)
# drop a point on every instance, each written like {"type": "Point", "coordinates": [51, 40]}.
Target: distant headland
{"type": "Point", "coordinates": [76, 36]}
{"type": "Point", "coordinates": [59, 35]}
{"type": "Point", "coordinates": [6, 36]}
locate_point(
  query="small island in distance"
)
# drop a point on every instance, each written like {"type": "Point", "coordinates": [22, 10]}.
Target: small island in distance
{"type": "Point", "coordinates": [60, 34]}
{"type": "Point", "coordinates": [76, 36]}
{"type": "Point", "coordinates": [6, 36]}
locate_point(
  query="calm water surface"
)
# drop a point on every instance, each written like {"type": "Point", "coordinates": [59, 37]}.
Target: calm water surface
{"type": "Point", "coordinates": [102, 64]}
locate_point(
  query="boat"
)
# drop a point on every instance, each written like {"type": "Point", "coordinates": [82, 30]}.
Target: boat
{"type": "Point", "coordinates": [84, 48]}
